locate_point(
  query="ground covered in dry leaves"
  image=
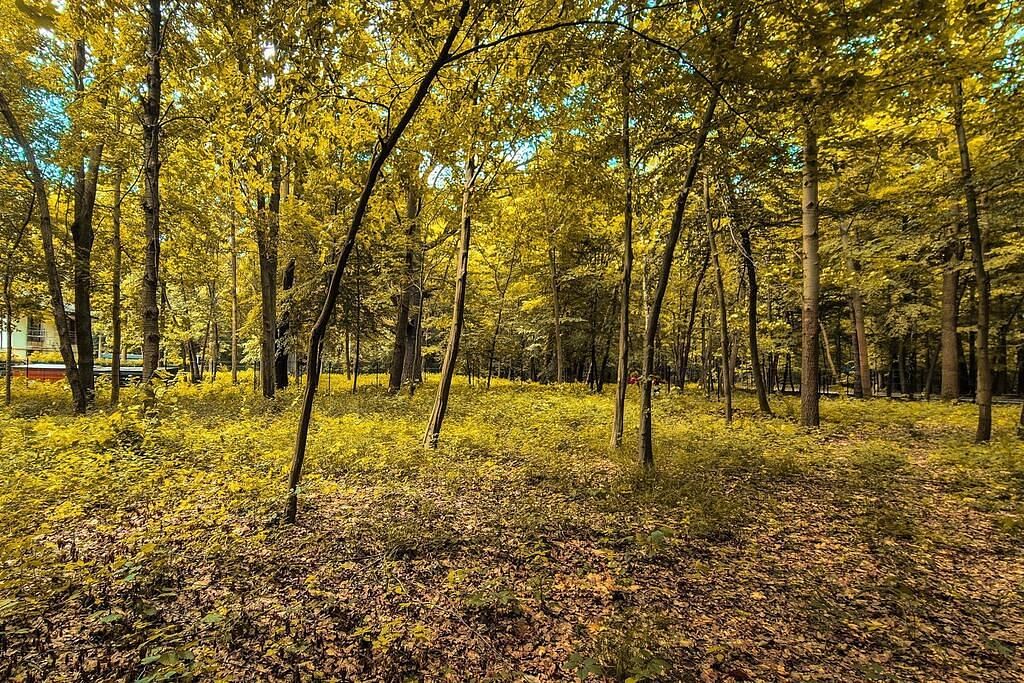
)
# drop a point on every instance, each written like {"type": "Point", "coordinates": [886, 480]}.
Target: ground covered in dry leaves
{"type": "Point", "coordinates": [883, 546]}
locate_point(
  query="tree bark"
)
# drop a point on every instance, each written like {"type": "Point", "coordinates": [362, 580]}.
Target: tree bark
{"type": "Point", "coordinates": [558, 313]}
{"type": "Point", "coordinates": [234, 302]}
{"type": "Point", "coordinates": [83, 238]}
{"type": "Point", "coordinates": [625, 287]}
{"type": "Point", "coordinates": [267, 227]}
{"type": "Point", "coordinates": [451, 353]}
{"type": "Point", "coordinates": [284, 330]}
{"type": "Point", "coordinates": [809, 367]}
{"type": "Point", "coordinates": [115, 311]}
{"type": "Point", "coordinates": [646, 447]}
{"type": "Point", "coordinates": [950, 311]}
{"type": "Point", "coordinates": [983, 394]}
{"type": "Point", "coordinates": [60, 318]}
{"type": "Point", "coordinates": [684, 366]}
{"type": "Point", "coordinates": [320, 326]}
{"type": "Point", "coordinates": [723, 319]}
{"type": "Point", "coordinates": [151, 111]}
{"type": "Point", "coordinates": [402, 332]}
{"type": "Point", "coordinates": [9, 330]}
{"type": "Point", "coordinates": [862, 364]}
{"type": "Point", "coordinates": [752, 293]}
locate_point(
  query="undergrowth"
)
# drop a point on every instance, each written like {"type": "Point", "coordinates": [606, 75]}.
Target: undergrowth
{"type": "Point", "coordinates": [145, 543]}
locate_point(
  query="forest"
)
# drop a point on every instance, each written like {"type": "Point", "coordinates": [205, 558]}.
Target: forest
{"type": "Point", "coordinates": [481, 340]}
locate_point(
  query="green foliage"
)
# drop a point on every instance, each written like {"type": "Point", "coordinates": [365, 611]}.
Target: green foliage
{"type": "Point", "coordinates": [520, 545]}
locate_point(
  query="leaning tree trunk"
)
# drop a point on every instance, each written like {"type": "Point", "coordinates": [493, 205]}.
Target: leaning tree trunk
{"type": "Point", "coordinates": [625, 288]}
{"type": "Point", "coordinates": [451, 353]}
{"type": "Point", "coordinates": [809, 366]}
{"type": "Point", "coordinates": [752, 292]}
{"type": "Point", "coordinates": [983, 395]}
{"type": "Point", "coordinates": [646, 448]}
{"type": "Point", "coordinates": [151, 113]}
{"type": "Point", "coordinates": [53, 281]}
{"type": "Point", "coordinates": [316, 336]}
{"type": "Point", "coordinates": [115, 308]}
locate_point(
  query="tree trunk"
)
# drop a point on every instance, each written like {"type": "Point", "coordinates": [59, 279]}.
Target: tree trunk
{"type": "Point", "coordinates": [60, 318]}
{"type": "Point", "coordinates": [497, 323]}
{"type": "Point", "coordinates": [950, 311]}
{"type": "Point", "coordinates": [451, 353]}
{"type": "Point", "coordinates": [415, 259]}
{"type": "Point", "coordinates": [359, 337]}
{"type": "Point", "coordinates": [646, 454]}
{"type": "Point", "coordinates": [320, 326]}
{"type": "Point", "coordinates": [688, 341]}
{"type": "Point", "coordinates": [828, 355]}
{"type": "Point", "coordinates": [752, 292]}
{"type": "Point", "coordinates": [862, 363]}
{"type": "Point", "coordinates": [558, 313]}
{"type": "Point", "coordinates": [234, 303]}
{"type": "Point", "coordinates": [811, 283]}
{"type": "Point", "coordinates": [283, 332]}
{"type": "Point", "coordinates": [267, 226]}
{"type": "Point", "coordinates": [83, 237]}
{"type": "Point", "coordinates": [151, 197]}
{"type": "Point", "coordinates": [115, 312]}
{"type": "Point", "coordinates": [983, 395]}
{"type": "Point", "coordinates": [723, 316]}
{"type": "Point", "coordinates": [625, 287]}
{"type": "Point", "coordinates": [9, 330]}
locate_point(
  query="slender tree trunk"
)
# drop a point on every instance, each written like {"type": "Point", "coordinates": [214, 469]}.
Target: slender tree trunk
{"type": "Point", "coordinates": [688, 341]}
{"type": "Point", "coordinates": [53, 281]}
{"type": "Point", "coordinates": [723, 316]}
{"type": "Point", "coordinates": [646, 455]}
{"type": "Point", "coordinates": [234, 303]}
{"type": "Point", "coordinates": [151, 196]}
{"type": "Point", "coordinates": [320, 326]}
{"type": "Point", "coordinates": [283, 331]}
{"type": "Point", "coordinates": [558, 314]}
{"type": "Point", "coordinates": [752, 292]}
{"type": "Point", "coordinates": [267, 222]}
{"type": "Point", "coordinates": [950, 311]}
{"type": "Point", "coordinates": [402, 328]}
{"type": "Point", "coordinates": [451, 353]}
{"type": "Point", "coordinates": [9, 329]}
{"type": "Point", "coordinates": [983, 394]}
{"type": "Point", "coordinates": [414, 262]}
{"type": "Point", "coordinates": [83, 237]}
{"type": "Point", "coordinates": [625, 287]}
{"type": "Point", "coordinates": [115, 312]}
{"type": "Point", "coordinates": [828, 355]}
{"type": "Point", "coordinates": [497, 324]}
{"type": "Point", "coordinates": [862, 365]}
{"type": "Point", "coordinates": [811, 284]}
{"type": "Point", "coordinates": [359, 336]}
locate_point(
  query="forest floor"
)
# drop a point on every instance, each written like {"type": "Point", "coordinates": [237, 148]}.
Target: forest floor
{"type": "Point", "coordinates": [883, 546]}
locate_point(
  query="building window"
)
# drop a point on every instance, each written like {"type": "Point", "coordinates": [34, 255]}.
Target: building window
{"type": "Point", "coordinates": [36, 331]}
